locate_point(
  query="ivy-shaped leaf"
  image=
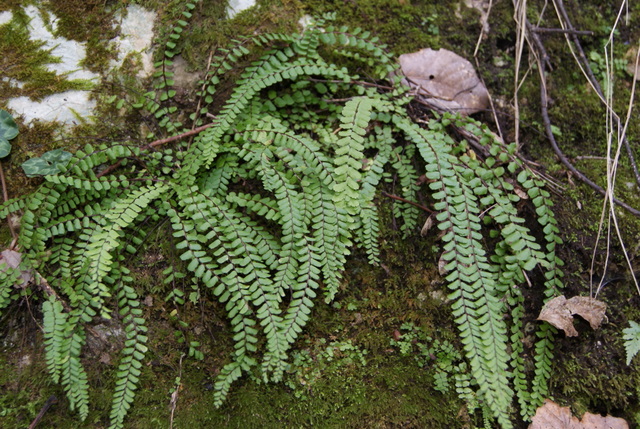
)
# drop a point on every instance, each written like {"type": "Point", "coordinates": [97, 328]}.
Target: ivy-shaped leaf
{"type": "Point", "coordinates": [47, 164]}
{"type": "Point", "coordinates": [8, 131]}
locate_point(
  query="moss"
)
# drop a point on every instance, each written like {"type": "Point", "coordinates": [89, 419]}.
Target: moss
{"type": "Point", "coordinates": [211, 30]}
{"type": "Point", "coordinates": [587, 381]}
{"type": "Point", "coordinates": [89, 22]}
{"type": "Point", "coordinates": [405, 27]}
{"type": "Point", "coordinates": [24, 60]}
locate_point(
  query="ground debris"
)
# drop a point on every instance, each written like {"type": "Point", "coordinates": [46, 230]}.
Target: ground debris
{"type": "Point", "coordinates": [559, 312]}
{"type": "Point", "coordinates": [444, 80]}
{"type": "Point", "coordinates": [553, 416]}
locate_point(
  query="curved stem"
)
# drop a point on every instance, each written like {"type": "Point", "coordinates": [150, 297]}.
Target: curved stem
{"type": "Point", "coordinates": [158, 143]}
{"type": "Point", "coordinates": [5, 196]}
{"type": "Point", "coordinates": [395, 197]}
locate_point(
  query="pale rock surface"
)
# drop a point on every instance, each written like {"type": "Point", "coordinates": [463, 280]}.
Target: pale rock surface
{"type": "Point", "coordinates": [72, 107]}
{"type": "Point", "coordinates": [237, 6]}
{"type": "Point", "coordinates": [136, 37]}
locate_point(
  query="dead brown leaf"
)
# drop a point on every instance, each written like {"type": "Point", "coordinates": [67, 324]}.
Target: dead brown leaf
{"type": "Point", "coordinates": [552, 416]}
{"type": "Point", "coordinates": [442, 263]}
{"type": "Point", "coordinates": [12, 259]}
{"type": "Point", "coordinates": [559, 312]}
{"type": "Point", "coordinates": [444, 80]}
{"type": "Point", "coordinates": [428, 224]}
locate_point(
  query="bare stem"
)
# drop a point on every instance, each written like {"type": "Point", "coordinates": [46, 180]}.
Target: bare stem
{"type": "Point", "coordinates": [395, 197]}
{"type": "Point", "coordinates": [159, 143]}
{"type": "Point", "coordinates": [5, 196]}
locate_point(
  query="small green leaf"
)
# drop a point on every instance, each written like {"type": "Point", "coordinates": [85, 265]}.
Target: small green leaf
{"type": "Point", "coordinates": [632, 340]}
{"type": "Point", "coordinates": [8, 131]}
{"type": "Point", "coordinates": [556, 131]}
{"type": "Point", "coordinates": [47, 164]}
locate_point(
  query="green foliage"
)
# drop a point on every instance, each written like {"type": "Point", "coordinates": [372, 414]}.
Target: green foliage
{"type": "Point", "coordinates": [632, 340]}
{"type": "Point", "coordinates": [48, 163]}
{"type": "Point", "coordinates": [265, 205]}
{"type": "Point", "coordinates": [599, 65]}
{"type": "Point", "coordinates": [311, 365]}
{"type": "Point", "coordinates": [444, 357]}
{"type": "Point", "coordinates": [132, 355]}
{"type": "Point", "coordinates": [8, 131]}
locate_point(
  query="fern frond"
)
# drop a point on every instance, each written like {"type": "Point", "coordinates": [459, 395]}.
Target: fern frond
{"type": "Point", "coordinates": [9, 277]}
{"type": "Point", "coordinates": [54, 324]}
{"type": "Point", "coordinates": [476, 309]}
{"type": "Point", "coordinates": [245, 282]}
{"type": "Point", "coordinates": [400, 161]}
{"type": "Point", "coordinates": [96, 260]}
{"type": "Point", "coordinates": [367, 234]}
{"type": "Point", "coordinates": [73, 376]}
{"type": "Point", "coordinates": [544, 346]}
{"type": "Point", "coordinates": [128, 374]}
{"type": "Point", "coordinates": [353, 123]}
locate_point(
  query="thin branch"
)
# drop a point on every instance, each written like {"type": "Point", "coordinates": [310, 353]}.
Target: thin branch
{"type": "Point", "coordinates": [563, 30]}
{"type": "Point", "coordinates": [5, 196]}
{"type": "Point", "coordinates": [51, 401]}
{"type": "Point", "coordinates": [395, 197]}
{"type": "Point", "coordinates": [174, 396]}
{"type": "Point", "coordinates": [158, 143]}
{"type": "Point", "coordinates": [353, 82]}
{"type": "Point", "coordinates": [41, 281]}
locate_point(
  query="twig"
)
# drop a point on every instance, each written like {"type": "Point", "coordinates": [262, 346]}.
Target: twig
{"type": "Point", "coordinates": [596, 85]}
{"type": "Point", "coordinates": [174, 396]}
{"type": "Point", "coordinates": [599, 158]}
{"type": "Point", "coordinates": [395, 197]}
{"type": "Point", "coordinates": [158, 143]}
{"type": "Point", "coordinates": [562, 30]}
{"type": "Point", "coordinates": [353, 82]}
{"type": "Point", "coordinates": [46, 287]}
{"type": "Point", "coordinates": [51, 401]}
{"type": "Point", "coordinates": [180, 136]}
{"type": "Point", "coordinates": [5, 196]}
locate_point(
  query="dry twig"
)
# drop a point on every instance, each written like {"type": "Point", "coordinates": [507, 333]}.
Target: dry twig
{"type": "Point", "coordinates": [542, 59]}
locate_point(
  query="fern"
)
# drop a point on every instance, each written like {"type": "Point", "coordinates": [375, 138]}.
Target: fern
{"type": "Point", "coordinates": [132, 355]}
{"type": "Point", "coordinates": [631, 340]}
{"type": "Point", "coordinates": [476, 309]}
{"type": "Point", "coordinates": [266, 203]}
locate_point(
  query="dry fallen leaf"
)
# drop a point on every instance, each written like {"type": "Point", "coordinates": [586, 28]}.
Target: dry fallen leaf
{"type": "Point", "coordinates": [442, 263]}
{"type": "Point", "coordinates": [559, 312]}
{"type": "Point", "coordinates": [11, 258]}
{"type": "Point", "coordinates": [444, 80]}
{"type": "Point", "coordinates": [427, 226]}
{"type": "Point", "coordinates": [553, 416]}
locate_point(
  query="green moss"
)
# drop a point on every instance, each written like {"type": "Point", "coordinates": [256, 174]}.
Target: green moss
{"type": "Point", "coordinates": [210, 29]}
{"type": "Point", "coordinates": [24, 60]}
{"type": "Point", "coordinates": [89, 22]}
{"type": "Point", "coordinates": [405, 27]}
{"type": "Point", "coordinates": [587, 380]}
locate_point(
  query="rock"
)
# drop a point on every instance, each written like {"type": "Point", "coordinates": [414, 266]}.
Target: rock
{"type": "Point", "coordinates": [237, 6]}
{"type": "Point", "coordinates": [74, 106]}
